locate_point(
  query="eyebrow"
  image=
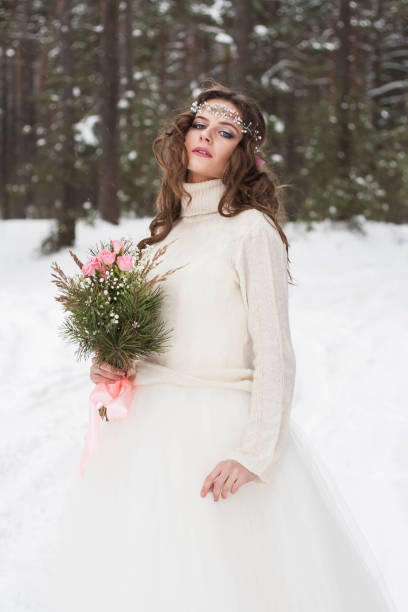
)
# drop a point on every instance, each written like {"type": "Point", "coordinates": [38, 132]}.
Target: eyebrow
{"type": "Point", "coordinates": [220, 122]}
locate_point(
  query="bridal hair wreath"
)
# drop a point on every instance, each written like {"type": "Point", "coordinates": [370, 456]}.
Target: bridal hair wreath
{"type": "Point", "coordinates": [222, 110]}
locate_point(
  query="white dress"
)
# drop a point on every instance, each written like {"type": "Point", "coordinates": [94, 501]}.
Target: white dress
{"type": "Point", "coordinates": [136, 535]}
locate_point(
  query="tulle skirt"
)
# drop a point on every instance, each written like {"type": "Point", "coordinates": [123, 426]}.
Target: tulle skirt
{"type": "Point", "coordinates": [136, 536]}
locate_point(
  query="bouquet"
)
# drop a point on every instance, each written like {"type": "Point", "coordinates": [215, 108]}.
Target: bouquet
{"type": "Point", "coordinates": [113, 311]}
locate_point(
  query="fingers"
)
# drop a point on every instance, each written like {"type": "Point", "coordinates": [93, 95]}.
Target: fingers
{"type": "Point", "coordinates": [219, 482]}
{"type": "Point", "coordinates": [221, 486]}
{"type": "Point", "coordinates": [227, 477]}
{"type": "Point", "coordinates": [209, 482]}
{"type": "Point", "coordinates": [109, 370]}
{"type": "Point", "coordinates": [103, 379]}
{"type": "Point", "coordinates": [131, 374]}
{"type": "Point", "coordinates": [105, 373]}
{"type": "Point", "coordinates": [236, 485]}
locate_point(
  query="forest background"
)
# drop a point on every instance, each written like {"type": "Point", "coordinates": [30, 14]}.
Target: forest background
{"type": "Point", "coordinates": [85, 88]}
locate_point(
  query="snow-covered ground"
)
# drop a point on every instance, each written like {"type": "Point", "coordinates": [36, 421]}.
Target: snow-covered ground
{"type": "Point", "coordinates": [350, 333]}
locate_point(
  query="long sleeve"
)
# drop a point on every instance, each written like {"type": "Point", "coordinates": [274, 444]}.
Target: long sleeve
{"type": "Point", "coordinates": [260, 263]}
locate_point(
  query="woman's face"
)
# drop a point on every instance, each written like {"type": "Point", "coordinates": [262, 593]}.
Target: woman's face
{"type": "Point", "coordinates": [218, 136]}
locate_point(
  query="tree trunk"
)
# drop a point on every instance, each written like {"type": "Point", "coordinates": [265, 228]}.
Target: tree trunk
{"type": "Point", "coordinates": [343, 99]}
{"type": "Point", "coordinates": [241, 33]}
{"type": "Point", "coordinates": [108, 183]}
{"type": "Point", "coordinates": [4, 150]}
{"type": "Point", "coordinates": [292, 203]}
{"type": "Point", "coordinates": [129, 66]}
{"type": "Point", "coordinates": [26, 139]}
{"type": "Point", "coordinates": [67, 213]}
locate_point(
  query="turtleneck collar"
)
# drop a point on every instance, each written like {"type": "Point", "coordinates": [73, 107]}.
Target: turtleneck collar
{"type": "Point", "coordinates": [205, 197]}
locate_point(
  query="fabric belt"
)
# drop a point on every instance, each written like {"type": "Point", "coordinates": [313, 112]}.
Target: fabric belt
{"type": "Point", "coordinates": [150, 373]}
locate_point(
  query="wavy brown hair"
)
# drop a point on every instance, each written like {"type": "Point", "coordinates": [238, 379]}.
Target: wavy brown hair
{"type": "Point", "coordinates": [247, 185]}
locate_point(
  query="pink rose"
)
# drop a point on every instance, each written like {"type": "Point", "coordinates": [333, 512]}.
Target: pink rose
{"type": "Point", "coordinates": [124, 262]}
{"type": "Point", "coordinates": [106, 257]}
{"type": "Point", "coordinates": [117, 246]}
{"type": "Point", "coordinates": [88, 269]}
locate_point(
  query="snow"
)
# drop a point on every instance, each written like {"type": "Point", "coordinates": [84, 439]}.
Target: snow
{"type": "Point", "coordinates": [349, 328]}
{"type": "Point", "coordinates": [379, 91]}
{"type": "Point", "coordinates": [85, 130]}
{"type": "Point", "coordinates": [224, 38]}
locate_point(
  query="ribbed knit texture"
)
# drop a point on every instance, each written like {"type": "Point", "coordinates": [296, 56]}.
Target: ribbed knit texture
{"type": "Point", "coordinates": [228, 308]}
{"type": "Point", "coordinates": [205, 197]}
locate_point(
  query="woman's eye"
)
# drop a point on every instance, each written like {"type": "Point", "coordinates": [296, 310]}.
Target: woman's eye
{"type": "Point", "coordinates": [221, 132]}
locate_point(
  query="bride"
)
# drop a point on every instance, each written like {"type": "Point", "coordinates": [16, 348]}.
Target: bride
{"type": "Point", "coordinates": [206, 497]}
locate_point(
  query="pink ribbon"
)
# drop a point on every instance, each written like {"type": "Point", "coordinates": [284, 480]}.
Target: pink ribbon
{"type": "Point", "coordinates": [259, 161]}
{"type": "Point", "coordinates": [116, 397]}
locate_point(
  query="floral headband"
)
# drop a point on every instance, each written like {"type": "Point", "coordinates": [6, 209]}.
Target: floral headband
{"type": "Point", "coordinates": [222, 110]}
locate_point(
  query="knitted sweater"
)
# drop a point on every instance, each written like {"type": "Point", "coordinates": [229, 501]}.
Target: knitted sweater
{"type": "Point", "coordinates": [228, 311]}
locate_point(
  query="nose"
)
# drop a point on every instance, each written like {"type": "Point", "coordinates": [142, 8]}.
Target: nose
{"type": "Point", "coordinates": [205, 134]}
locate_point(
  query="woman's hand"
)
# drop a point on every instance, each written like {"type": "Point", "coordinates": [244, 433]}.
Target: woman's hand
{"type": "Point", "coordinates": [106, 373]}
{"type": "Point", "coordinates": [227, 477]}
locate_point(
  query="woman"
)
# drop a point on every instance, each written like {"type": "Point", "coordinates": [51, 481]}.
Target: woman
{"type": "Point", "coordinates": [210, 420]}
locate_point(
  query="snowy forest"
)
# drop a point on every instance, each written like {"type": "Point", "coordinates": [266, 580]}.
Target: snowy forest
{"type": "Point", "coordinates": [86, 87]}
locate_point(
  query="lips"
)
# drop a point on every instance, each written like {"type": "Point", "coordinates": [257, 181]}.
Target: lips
{"type": "Point", "coordinates": [202, 151]}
